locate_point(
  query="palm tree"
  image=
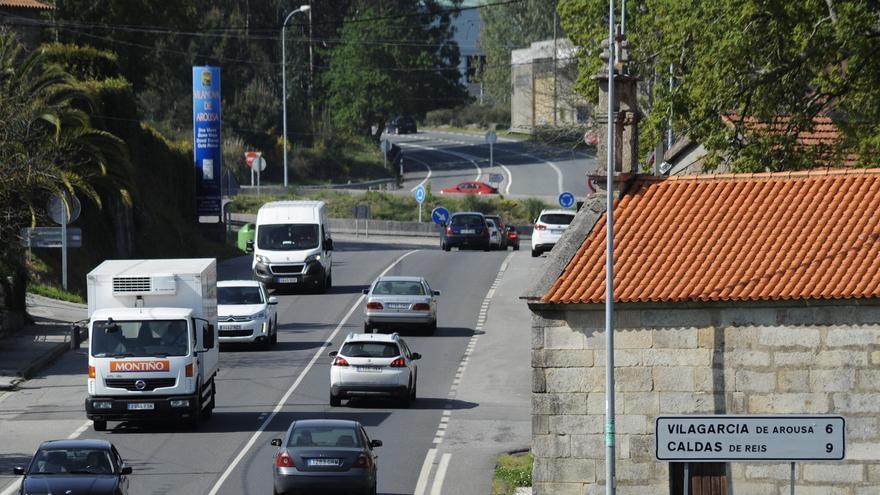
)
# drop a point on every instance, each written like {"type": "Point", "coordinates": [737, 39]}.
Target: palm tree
{"type": "Point", "coordinates": [47, 146]}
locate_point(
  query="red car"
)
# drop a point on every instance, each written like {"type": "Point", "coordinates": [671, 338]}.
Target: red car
{"type": "Point", "coordinates": [471, 188]}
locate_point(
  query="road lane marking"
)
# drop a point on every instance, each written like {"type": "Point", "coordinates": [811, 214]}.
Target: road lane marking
{"type": "Point", "coordinates": [509, 178]}
{"type": "Point", "coordinates": [427, 177]}
{"type": "Point", "coordinates": [453, 153]}
{"type": "Point", "coordinates": [79, 431]}
{"type": "Point", "coordinates": [424, 473]}
{"type": "Point", "coordinates": [318, 353]}
{"type": "Point", "coordinates": [437, 487]}
{"type": "Point", "coordinates": [11, 488]}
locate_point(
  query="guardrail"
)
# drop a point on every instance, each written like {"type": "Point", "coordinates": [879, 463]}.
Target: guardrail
{"type": "Point", "coordinates": [276, 190]}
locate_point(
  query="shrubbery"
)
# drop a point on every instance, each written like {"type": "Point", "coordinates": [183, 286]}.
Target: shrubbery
{"type": "Point", "coordinates": [482, 116]}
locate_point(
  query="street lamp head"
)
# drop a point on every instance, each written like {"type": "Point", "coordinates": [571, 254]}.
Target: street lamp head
{"type": "Point", "coordinates": [304, 8]}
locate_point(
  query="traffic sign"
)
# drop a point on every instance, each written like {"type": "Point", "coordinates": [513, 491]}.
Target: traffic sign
{"type": "Point", "coordinates": [590, 138]}
{"type": "Point", "coordinates": [592, 186]}
{"type": "Point", "coordinates": [491, 137]}
{"type": "Point", "coordinates": [420, 194]}
{"type": "Point", "coordinates": [440, 215]}
{"type": "Point", "coordinates": [56, 208]}
{"type": "Point", "coordinates": [385, 146]}
{"type": "Point", "coordinates": [250, 156]}
{"type": "Point", "coordinates": [566, 200]}
{"type": "Point", "coordinates": [50, 237]}
{"type": "Point", "coordinates": [259, 164]}
{"type": "Point", "coordinates": [732, 438]}
{"type": "Point", "coordinates": [497, 178]}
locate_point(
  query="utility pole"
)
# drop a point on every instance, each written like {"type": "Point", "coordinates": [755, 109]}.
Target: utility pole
{"type": "Point", "coordinates": [610, 451]}
{"type": "Point", "coordinates": [311, 67]}
{"type": "Point", "coordinates": [555, 65]}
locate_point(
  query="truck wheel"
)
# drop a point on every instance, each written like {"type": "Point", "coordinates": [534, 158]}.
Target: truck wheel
{"type": "Point", "coordinates": [99, 425]}
{"type": "Point", "coordinates": [335, 401]}
{"type": "Point", "coordinates": [208, 411]}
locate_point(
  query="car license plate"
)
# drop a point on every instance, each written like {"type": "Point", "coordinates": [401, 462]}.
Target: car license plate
{"type": "Point", "coordinates": [230, 327]}
{"type": "Point", "coordinates": [288, 280]}
{"type": "Point", "coordinates": [398, 306]}
{"type": "Point", "coordinates": [557, 231]}
{"type": "Point", "coordinates": [322, 462]}
{"type": "Point", "coordinates": [468, 231]}
{"type": "Point", "coordinates": [141, 406]}
{"type": "Point", "coordinates": [368, 369]}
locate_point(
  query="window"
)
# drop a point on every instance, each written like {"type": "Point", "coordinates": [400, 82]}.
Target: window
{"type": "Point", "coordinates": [399, 288]}
{"type": "Point", "coordinates": [239, 295]}
{"type": "Point", "coordinates": [287, 237]}
{"type": "Point", "coordinates": [370, 350]}
{"type": "Point", "coordinates": [152, 338]}
{"type": "Point", "coordinates": [72, 461]}
{"type": "Point", "coordinates": [467, 221]}
{"type": "Point", "coordinates": [324, 436]}
{"type": "Point", "coordinates": [556, 218]}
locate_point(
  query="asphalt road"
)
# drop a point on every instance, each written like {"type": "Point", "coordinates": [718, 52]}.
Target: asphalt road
{"type": "Point", "coordinates": [260, 392]}
{"type": "Point", "coordinates": [445, 159]}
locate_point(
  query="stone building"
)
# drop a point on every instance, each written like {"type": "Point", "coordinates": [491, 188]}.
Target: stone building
{"type": "Point", "coordinates": [735, 294]}
{"type": "Point", "coordinates": [23, 17]}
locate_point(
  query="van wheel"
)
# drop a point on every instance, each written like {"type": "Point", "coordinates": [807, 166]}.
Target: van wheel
{"type": "Point", "coordinates": [99, 425]}
{"type": "Point", "coordinates": [330, 280]}
{"type": "Point", "coordinates": [321, 286]}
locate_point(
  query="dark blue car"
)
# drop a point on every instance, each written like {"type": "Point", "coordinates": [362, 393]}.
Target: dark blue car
{"type": "Point", "coordinates": [466, 230]}
{"type": "Point", "coordinates": [75, 466]}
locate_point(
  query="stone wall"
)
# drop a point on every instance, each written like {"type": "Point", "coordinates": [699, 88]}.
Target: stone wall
{"type": "Point", "coordinates": [716, 360]}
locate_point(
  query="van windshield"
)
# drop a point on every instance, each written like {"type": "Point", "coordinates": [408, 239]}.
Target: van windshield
{"type": "Point", "coordinates": [287, 237]}
{"type": "Point", "coordinates": [156, 338]}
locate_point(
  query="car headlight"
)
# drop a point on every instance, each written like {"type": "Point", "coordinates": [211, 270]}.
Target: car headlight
{"type": "Point", "coordinates": [259, 316]}
{"type": "Point", "coordinates": [261, 259]}
{"type": "Point", "coordinates": [314, 257]}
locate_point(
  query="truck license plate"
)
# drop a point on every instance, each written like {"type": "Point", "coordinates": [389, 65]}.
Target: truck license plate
{"type": "Point", "coordinates": [288, 280]}
{"type": "Point", "coordinates": [141, 406]}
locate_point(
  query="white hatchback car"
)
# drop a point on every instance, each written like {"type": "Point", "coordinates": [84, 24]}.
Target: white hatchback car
{"type": "Point", "coordinates": [374, 365]}
{"type": "Point", "coordinates": [246, 313]}
{"type": "Point", "coordinates": [549, 227]}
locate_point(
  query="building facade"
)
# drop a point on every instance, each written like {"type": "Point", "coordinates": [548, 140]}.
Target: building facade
{"type": "Point", "coordinates": [23, 17]}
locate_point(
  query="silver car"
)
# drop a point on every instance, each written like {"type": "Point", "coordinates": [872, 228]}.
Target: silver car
{"type": "Point", "coordinates": [400, 302]}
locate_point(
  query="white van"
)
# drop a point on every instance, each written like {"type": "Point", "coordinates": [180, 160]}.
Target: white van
{"type": "Point", "coordinates": [292, 245]}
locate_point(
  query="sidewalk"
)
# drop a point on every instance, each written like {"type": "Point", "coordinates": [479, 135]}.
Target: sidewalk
{"type": "Point", "coordinates": [25, 353]}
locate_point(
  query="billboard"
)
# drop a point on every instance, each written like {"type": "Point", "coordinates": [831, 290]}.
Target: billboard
{"type": "Point", "coordinates": [207, 140]}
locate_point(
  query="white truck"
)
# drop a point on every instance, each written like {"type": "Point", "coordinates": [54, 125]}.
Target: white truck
{"type": "Point", "coordinates": [153, 351]}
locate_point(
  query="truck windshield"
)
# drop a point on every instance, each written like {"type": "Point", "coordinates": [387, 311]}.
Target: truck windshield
{"type": "Point", "coordinates": [287, 237]}
{"type": "Point", "coordinates": [159, 338]}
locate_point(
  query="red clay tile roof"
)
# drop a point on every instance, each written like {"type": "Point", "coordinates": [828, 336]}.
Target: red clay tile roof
{"type": "Point", "coordinates": [736, 237]}
{"type": "Point", "coordinates": [824, 133]}
{"type": "Point", "coordinates": [27, 4]}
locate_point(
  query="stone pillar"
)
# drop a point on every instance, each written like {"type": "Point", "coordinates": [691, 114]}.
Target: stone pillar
{"type": "Point", "coordinates": [626, 118]}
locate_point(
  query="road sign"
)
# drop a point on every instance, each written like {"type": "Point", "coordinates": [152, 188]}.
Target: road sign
{"type": "Point", "coordinates": [590, 138]}
{"type": "Point", "coordinates": [566, 200]}
{"type": "Point", "coordinates": [440, 215]}
{"type": "Point", "coordinates": [731, 438]}
{"type": "Point", "coordinates": [50, 237]}
{"type": "Point", "coordinates": [361, 211]}
{"type": "Point", "coordinates": [250, 156]}
{"type": "Point", "coordinates": [259, 164]}
{"type": "Point", "coordinates": [592, 186]}
{"type": "Point", "coordinates": [491, 137]}
{"type": "Point", "coordinates": [497, 178]}
{"type": "Point", "coordinates": [55, 208]}
{"type": "Point", "coordinates": [385, 146]}
{"type": "Point", "coordinates": [420, 194]}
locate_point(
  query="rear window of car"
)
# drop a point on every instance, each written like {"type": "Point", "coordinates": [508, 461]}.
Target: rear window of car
{"type": "Point", "coordinates": [398, 288]}
{"type": "Point", "coordinates": [467, 221]}
{"type": "Point", "coordinates": [324, 436]}
{"type": "Point", "coordinates": [556, 218]}
{"type": "Point", "coordinates": [370, 350]}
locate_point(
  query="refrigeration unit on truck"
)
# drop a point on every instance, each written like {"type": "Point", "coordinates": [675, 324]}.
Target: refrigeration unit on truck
{"type": "Point", "coordinates": [153, 351]}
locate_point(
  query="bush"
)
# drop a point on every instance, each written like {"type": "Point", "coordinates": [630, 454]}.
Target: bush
{"type": "Point", "coordinates": [512, 471]}
{"type": "Point", "coordinates": [482, 116]}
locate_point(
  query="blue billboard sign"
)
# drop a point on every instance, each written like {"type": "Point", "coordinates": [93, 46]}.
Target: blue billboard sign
{"type": "Point", "coordinates": [206, 139]}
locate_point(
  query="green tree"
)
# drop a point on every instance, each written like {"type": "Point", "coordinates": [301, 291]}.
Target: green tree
{"type": "Point", "coordinates": [509, 27]}
{"type": "Point", "coordinates": [751, 58]}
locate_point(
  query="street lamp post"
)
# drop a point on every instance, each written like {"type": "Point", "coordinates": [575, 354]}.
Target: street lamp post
{"type": "Point", "coordinates": [302, 9]}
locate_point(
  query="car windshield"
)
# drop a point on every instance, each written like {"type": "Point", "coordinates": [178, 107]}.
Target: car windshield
{"type": "Point", "coordinates": [467, 221]}
{"type": "Point", "coordinates": [490, 223]}
{"type": "Point", "coordinates": [239, 295]}
{"type": "Point", "coordinates": [556, 218]}
{"type": "Point", "coordinates": [324, 436]}
{"type": "Point", "coordinates": [287, 237]}
{"type": "Point", "coordinates": [370, 350]}
{"type": "Point", "coordinates": [157, 338]}
{"type": "Point", "coordinates": [398, 288]}
{"type": "Point", "coordinates": [71, 461]}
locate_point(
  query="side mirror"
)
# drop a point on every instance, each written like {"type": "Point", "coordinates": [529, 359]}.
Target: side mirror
{"type": "Point", "coordinates": [249, 246]}
{"type": "Point", "coordinates": [333, 353]}
{"type": "Point", "coordinates": [273, 300]}
{"type": "Point", "coordinates": [328, 244]}
{"type": "Point", "coordinates": [208, 336]}
{"type": "Point", "coordinates": [276, 442]}
{"type": "Point", "coordinates": [125, 470]}
{"type": "Point", "coordinates": [366, 291]}
{"type": "Point", "coordinates": [375, 443]}
{"type": "Point", "coordinates": [18, 470]}
{"type": "Point", "coordinates": [416, 356]}
{"type": "Point", "coordinates": [436, 292]}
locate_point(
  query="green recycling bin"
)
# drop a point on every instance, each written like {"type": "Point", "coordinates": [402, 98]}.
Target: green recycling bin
{"type": "Point", "coordinates": [245, 234]}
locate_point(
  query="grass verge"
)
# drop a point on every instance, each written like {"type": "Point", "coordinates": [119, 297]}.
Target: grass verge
{"type": "Point", "coordinates": [512, 471]}
{"type": "Point", "coordinates": [53, 292]}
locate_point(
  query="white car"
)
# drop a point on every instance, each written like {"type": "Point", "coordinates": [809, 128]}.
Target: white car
{"type": "Point", "coordinates": [373, 365]}
{"type": "Point", "coordinates": [549, 227]}
{"type": "Point", "coordinates": [402, 302]}
{"type": "Point", "coordinates": [246, 313]}
{"type": "Point", "coordinates": [494, 234]}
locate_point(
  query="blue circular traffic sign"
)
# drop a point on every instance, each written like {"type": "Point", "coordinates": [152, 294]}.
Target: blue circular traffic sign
{"type": "Point", "coordinates": [566, 200]}
{"type": "Point", "coordinates": [420, 194]}
{"type": "Point", "coordinates": [440, 215]}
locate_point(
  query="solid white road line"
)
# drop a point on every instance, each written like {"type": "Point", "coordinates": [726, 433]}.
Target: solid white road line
{"type": "Point", "coordinates": [437, 487]}
{"type": "Point", "coordinates": [453, 153]}
{"type": "Point", "coordinates": [509, 178]}
{"type": "Point", "coordinates": [427, 177]}
{"type": "Point", "coordinates": [553, 166]}
{"type": "Point", "coordinates": [424, 473]}
{"type": "Point", "coordinates": [318, 353]}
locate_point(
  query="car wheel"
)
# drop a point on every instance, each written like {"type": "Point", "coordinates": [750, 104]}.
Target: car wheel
{"type": "Point", "coordinates": [335, 400]}
{"type": "Point", "coordinates": [275, 333]}
{"type": "Point", "coordinates": [446, 247]}
{"type": "Point", "coordinates": [535, 253]}
{"type": "Point", "coordinates": [406, 399]}
{"type": "Point", "coordinates": [516, 247]}
{"type": "Point", "coordinates": [431, 328]}
{"type": "Point", "coordinates": [99, 425]}
{"type": "Point", "coordinates": [412, 393]}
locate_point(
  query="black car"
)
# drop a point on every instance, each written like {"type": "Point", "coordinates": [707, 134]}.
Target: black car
{"type": "Point", "coordinates": [402, 125]}
{"type": "Point", "coordinates": [75, 466]}
{"type": "Point", "coordinates": [325, 455]}
{"type": "Point", "coordinates": [466, 230]}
